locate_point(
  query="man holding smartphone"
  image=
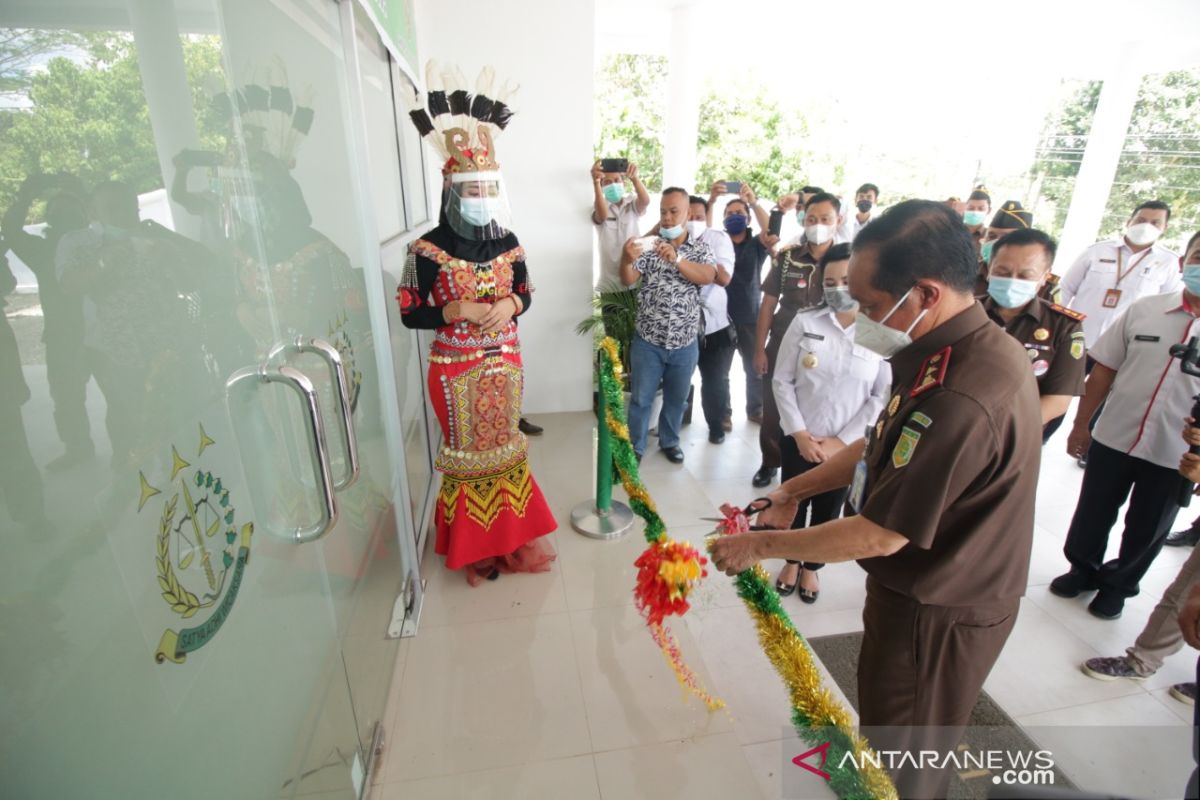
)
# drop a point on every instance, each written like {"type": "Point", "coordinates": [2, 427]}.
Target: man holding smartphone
{"type": "Point", "coordinates": [615, 213]}
{"type": "Point", "coordinates": [744, 290]}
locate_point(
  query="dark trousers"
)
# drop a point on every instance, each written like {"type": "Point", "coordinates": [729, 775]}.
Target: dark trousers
{"type": "Point", "coordinates": [920, 672]}
{"type": "Point", "coordinates": [67, 373]}
{"type": "Point", "coordinates": [1107, 482]}
{"type": "Point", "coordinates": [746, 336]}
{"type": "Point", "coordinates": [716, 357]}
{"type": "Point", "coordinates": [823, 507]}
{"type": "Point", "coordinates": [769, 432]}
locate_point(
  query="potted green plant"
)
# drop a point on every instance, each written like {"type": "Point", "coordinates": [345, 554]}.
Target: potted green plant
{"type": "Point", "coordinates": [614, 312]}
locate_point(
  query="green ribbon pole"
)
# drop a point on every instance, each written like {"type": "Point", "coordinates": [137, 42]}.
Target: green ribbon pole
{"type": "Point", "coordinates": [604, 462]}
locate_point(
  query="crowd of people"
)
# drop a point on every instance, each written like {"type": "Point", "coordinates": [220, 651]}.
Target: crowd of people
{"type": "Point", "coordinates": [905, 368]}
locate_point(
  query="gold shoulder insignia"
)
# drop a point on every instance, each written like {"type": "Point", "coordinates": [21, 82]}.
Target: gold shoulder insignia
{"type": "Point", "coordinates": [932, 372]}
{"type": "Point", "coordinates": [1068, 312]}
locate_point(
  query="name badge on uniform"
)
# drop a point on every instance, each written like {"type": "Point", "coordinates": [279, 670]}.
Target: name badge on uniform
{"type": "Point", "coordinates": [1111, 298]}
{"type": "Point", "coordinates": [858, 487]}
{"type": "Point", "coordinates": [1108, 261]}
{"type": "Point", "coordinates": [819, 337]}
{"type": "Point", "coordinates": [1143, 337]}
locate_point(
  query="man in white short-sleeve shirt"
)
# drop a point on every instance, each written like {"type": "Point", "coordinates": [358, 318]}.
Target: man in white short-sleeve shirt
{"type": "Point", "coordinates": [1135, 446]}
{"type": "Point", "coordinates": [615, 213]}
{"type": "Point", "coordinates": [1110, 275]}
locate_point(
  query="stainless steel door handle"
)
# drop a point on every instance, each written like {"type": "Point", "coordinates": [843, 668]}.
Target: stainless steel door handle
{"type": "Point", "coordinates": [341, 383]}
{"type": "Point", "coordinates": [317, 446]}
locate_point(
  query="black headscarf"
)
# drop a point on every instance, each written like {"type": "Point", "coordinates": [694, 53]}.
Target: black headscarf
{"type": "Point", "coordinates": [475, 251]}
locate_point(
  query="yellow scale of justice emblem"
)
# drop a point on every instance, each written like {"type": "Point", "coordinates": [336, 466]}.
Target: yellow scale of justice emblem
{"type": "Point", "coordinates": [187, 586]}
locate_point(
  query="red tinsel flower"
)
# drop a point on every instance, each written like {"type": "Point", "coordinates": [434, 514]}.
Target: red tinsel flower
{"type": "Point", "coordinates": [735, 520]}
{"type": "Point", "coordinates": [667, 572]}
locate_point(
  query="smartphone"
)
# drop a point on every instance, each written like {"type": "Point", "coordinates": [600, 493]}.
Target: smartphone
{"type": "Point", "coordinates": [775, 223]}
{"type": "Point", "coordinates": [614, 165]}
{"type": "Point", "coordinates": [733, 187]}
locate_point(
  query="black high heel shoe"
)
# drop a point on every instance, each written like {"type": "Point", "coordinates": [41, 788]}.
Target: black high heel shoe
{"type": "Point", "coordinates": [783, 588]}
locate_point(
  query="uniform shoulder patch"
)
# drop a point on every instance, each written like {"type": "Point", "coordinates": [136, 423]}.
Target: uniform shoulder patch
{"type": "Point", "coordinates": [932, 372]}
{"type": "Point", "coordinates": [1068, 312]}
{"type": "Point", "coordinates": [902, 453]}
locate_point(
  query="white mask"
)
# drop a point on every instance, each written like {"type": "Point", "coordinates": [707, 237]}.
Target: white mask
{"type": "Point", "coordinates": [1142, 233]}
{"type": "Point", "coordinates": [879, 338]}
{"type": "Point", "coordinates": [696, 227]}
{"type": "Point", "coordinates": [818, 234]}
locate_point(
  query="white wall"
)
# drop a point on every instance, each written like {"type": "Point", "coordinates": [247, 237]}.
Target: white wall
{"type": "Point", "coordinates": [546, 46]}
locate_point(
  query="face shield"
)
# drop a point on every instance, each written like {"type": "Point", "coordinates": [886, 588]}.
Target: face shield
{"type": "Point", "coordinates": [477, 206]}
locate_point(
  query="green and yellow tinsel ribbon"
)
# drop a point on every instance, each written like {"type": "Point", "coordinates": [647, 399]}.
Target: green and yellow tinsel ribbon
{"type": "Point", "coordinates": [668, 570]}
{"type": "Point", "coordinates": [816, 715]}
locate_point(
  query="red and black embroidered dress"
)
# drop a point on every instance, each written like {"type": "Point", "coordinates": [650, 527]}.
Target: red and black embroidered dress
{"type": "Point", "coordinates": [490, 512]}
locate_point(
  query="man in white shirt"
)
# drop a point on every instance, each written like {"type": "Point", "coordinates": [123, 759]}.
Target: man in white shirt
{"type": "Point", "coordinates": [615, 214]}
{"type": "Point", "coordinates": [1136, 446]}
{"type": "Point", "coordinates": [718, 344]}
{"type": "Point", "coordinates": [866, 201]}
{"type": "Point", "coordinates": [1110, 275]}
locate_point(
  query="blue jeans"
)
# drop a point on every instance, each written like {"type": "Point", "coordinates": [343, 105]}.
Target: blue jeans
{"type": "Point", "coordinates": [650, 365]}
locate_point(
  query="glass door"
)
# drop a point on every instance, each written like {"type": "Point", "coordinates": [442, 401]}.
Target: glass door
{"type": "Point", "coordinates": [197, 486]}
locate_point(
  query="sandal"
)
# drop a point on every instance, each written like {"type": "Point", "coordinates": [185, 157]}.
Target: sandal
{"type": "Point", "coordinates": [808, 596]}
{"type": "Point", "coordinates": [785, 589]}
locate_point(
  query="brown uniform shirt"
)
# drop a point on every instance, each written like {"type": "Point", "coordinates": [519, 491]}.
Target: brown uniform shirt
{"type": "Point", "coordinates": [796, 282]}
{"type": "Point", "coordinates": [952, 465]}
{"type": "Point", "coordinates": [1053, 339]}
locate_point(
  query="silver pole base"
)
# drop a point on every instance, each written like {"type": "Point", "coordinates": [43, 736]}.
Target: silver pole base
{"type": "Point", "coordinates": [595, 524]}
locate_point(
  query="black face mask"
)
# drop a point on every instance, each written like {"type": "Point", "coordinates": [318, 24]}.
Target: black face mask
{"type": "Point", "coordinates": [864, 206]}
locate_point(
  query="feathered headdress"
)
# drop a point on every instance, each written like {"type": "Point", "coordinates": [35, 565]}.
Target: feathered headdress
{"type": "Point", "coordinates": [463, 127]}
{"type": "Point", "coordinates": [271, 117]}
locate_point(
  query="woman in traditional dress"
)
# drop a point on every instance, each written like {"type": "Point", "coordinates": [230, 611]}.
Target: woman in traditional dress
{"type": "Point", "coordinates": [467, 280]}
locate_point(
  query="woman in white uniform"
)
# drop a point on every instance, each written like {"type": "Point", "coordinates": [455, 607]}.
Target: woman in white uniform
{"type": "Point", "coordinates": [828, 390]}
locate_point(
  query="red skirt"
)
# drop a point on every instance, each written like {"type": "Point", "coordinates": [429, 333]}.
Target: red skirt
{"type": "Point", "coordinates": [490, 510]}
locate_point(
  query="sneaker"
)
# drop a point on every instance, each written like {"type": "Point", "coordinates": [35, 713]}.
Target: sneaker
{"type": "Point", "coordinates": [1109, 668]}
{"type": "Point", "coordinates": [727, 424]}
{"type": "Point", "coordinates": [716, 437]}
{"type": "Point", "coordinates": [1107, 605]}
{"type": "Point", "coordinates": [755, 418]}
{"type": "Point", "coordinates": [1184, 693]}
{"type": "Point", "coordinates": [1072, 584]}
{"type": "Point", "coordinates": [1187, 538]}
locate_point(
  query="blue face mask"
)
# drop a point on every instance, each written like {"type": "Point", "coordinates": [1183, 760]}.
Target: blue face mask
{"type": "Point", "coordinates": [476, 210]}
{"type": "Point", "coordinates": [1191, 279]}
{"type": "Point", "coordinates": [735, 224]}
{"type": "Point", "coordinates": [1011, 292]}
{"type": "Point", "coordinates": [614, 192]}
{"type": "Point", "coordinates": [974, 217]}
{"type": "Point", "coordinates": [985, 251]}
{"type": "Point", "coordinates": [672, 233]}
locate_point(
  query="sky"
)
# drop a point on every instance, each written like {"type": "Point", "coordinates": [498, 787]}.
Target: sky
{"type": "Point", "coordinates": [933, 89]}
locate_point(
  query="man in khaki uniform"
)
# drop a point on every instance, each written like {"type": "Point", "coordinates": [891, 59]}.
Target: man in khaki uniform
{"type": "Point", "coordinates": [945, 477]}
{"type": "Point", "coordinates": [1051, 334]}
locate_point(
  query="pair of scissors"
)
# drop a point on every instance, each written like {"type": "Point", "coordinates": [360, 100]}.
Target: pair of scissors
{"type": "Point", "coordinates": [749, 510]}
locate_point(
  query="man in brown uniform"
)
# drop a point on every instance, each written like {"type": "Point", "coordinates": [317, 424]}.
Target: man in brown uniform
{"type": "Point", "coordinates": [943, 485]}
{"type": "Point", "coordinates": [1051, 334]}
{"type": "Point", "coordinates": [793, 284]}
{"type": "Point", "coordinates": [1012, 216]}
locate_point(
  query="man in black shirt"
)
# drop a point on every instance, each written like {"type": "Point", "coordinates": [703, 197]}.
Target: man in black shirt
{"type": "Point", "coordinates": [745, 289]}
